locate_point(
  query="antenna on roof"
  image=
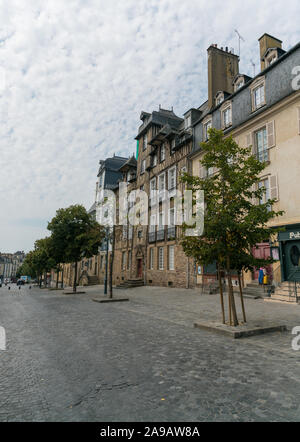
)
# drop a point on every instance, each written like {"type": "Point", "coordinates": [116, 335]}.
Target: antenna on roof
{"type": "Point", "coordinates": [240, 38]}
{"type": "Point", "coordinates": [253, 65]}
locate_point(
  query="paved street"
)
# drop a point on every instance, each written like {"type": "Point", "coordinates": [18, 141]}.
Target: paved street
{"type": "Point", "coordinates": [71, 359]}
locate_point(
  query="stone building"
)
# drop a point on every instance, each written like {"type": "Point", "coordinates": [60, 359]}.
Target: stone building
{"type": "Point", "coordinates": [152, 253]}
{"type": "Point", "coordinates": [263, 113]}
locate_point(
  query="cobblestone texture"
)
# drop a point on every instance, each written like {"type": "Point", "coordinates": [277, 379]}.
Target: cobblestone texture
{"type": "Point", "coordinates": [70, 359]}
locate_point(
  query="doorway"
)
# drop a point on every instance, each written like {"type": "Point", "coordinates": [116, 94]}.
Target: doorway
{"type": "Point", "coordinates": [139, 268]}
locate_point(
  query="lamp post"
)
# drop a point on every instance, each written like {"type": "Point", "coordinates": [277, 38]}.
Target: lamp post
{"type": "Point", "coordinates": [106, 261]}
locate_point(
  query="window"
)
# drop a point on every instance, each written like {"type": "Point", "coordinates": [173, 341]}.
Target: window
{"type": "Point", "coordinates": [261, 144]}
{"type": "Point", "coordinates": [172, 217]}
{"type": "Point", "coordinates": [188, 122]}
{"type": "Point", "coordinates": [152, 223]}
{"type": "Point", "coordinates": [154, 160]}
{"type": "Point", "coordinates": [124, 232]}
{"type": "Point", "coordinates": [151, 259]}
{"type": "Point", "coordinates": [140, 234]}
{"type": "Point", "coordinates": [162, 152]}
{"type": "Point", "coordinates": [142, 187]}
{"type": "Point", "coordinates": [258, 96]}
{"type": "Point", "coordinates": [160, 258]}
{"type": "Point", "coordinates": [123, 260]}
{"type": "Point", "coordinates": [206, 126]}
{"type": "Point", "coordinates": [173, 145]}
{"type": "Point", "coordinates": [129, 260]}
{"type": "Point", "coordinates": [172, 178]}
{"type": "Point", "coordinates": [145, 142]}
{"type": "Point", "coordinates": [161, 220]}
{"type": "Point", "coordinates": [130, 232]}
{"type": "Point", "coordinates": [266, 196]}
{"type": "Point", "coordinates": [161, 183]}
{"type": "Point", "coordinates": [210, 171]}
{"type": "Point", "coordinates": [171, 257]}
{"type": "Point", "coordinates": [226, 117]}
{"type": "Point", "coordinates": [143, 166]}
{"type": "Point", "coordinates": [152, 187]}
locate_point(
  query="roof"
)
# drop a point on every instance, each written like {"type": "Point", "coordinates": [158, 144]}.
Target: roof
{"type": "Point", "coordinates": [160, 118]}
{"type": "Point", "coordinates": [131, 162]}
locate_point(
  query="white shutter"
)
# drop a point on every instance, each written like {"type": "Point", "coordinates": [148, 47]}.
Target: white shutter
{"type": "Point", "coordinates": [299, 120]}
{"type": "Point", "coordinates": [271, 134]}
{"type": "Point", "coordinates": [273, 187]}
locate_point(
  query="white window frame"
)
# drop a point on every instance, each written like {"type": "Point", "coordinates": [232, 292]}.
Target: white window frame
{"type": "Point", "coordinates": [171, 258]}
{"type": "Point", "coordinates": [143, 166]}
{"type": "Point", "coordinates": [259, 84]}
{"type": "Point", "coordinates": [265, 150]}
{"type": "Point", "coordinates": [207, 124]}
{"type": "Point", "coordinates": [188, 121]}
{"type": "Point", "coordinates": [160, 190]}
{"type": "Point", "coordinates": [226, 111]}
{"type": "Point", "coordinates": [162, 149]}
{"type": "Point", "coordinates": [151, 258]}
{"type": "Point", "coordinates": [160, 258]}
{"type": "Point", "coordinates": [170, 172]}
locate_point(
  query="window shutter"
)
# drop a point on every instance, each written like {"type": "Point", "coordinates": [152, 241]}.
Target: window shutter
{"type": "Point", "coordinates": [273, 187]}
{"type": "Point", "coordinates": [271, 134]}
{"type": "Point", "coordinates": [299, 120]}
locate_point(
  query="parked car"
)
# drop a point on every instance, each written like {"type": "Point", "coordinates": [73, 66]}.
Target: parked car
{"type": "Point", "coordinates": [20, 282]}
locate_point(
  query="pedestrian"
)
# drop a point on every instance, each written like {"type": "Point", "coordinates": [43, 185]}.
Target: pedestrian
{"type": "Point", "coordinates": [261, 276]}
{"type": "Point", "coordinates": [19, 287]}
{"type": "Point", "coordinates": [8, 287]}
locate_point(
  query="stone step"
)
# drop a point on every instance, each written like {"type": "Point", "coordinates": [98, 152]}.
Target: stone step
{"type": "Point", "coordinates": [280, 298]}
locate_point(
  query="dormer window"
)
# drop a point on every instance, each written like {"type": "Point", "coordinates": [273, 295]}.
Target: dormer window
{"type": "Point", "coordinates": [226, 115]}
{"type": "Point", "coordinates": [219, 98]}
{"type": "Point", "coordinates": [188, 121]}
{"type": "Point", "coordinates": [258, 94]}
{"type": "Point", "coordinates": [207, 124]}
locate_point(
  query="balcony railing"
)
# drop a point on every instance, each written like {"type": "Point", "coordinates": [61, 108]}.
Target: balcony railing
{"type": "Point", "coordinates": [161, 235]}
{"type": "Point", "coordinates": [152, 236]}
{"type": "Point", "coordinates": [172, 232]}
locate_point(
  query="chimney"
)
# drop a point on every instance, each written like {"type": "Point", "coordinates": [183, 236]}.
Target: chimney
{"type": "Point", "coordinates": [266, 42]}
{"type": "Point", "coordinates": [223, 67]}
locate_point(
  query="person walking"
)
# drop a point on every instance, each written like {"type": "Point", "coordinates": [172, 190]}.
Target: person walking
{"type": "Point", "coordinates": [261, 276]}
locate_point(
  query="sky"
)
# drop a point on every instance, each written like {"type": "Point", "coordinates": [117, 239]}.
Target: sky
{"type": "Point", "coordinates": [76, 74]}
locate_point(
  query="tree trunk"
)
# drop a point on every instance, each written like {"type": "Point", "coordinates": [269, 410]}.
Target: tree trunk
{"type": "Point", "coordinates": [45, 279]}
{"type": "Point", "coordinates": [221, 294]}
{"type": "Point", "coordinates": [112, 263]}
{"type": "Point", "coordinates": [57, 276]}
{"type": "Point", "coordinates": [75, 278]}
{"type": "Point", "coordinates": [230, 295]}
{"type": "Point", "coordinates": [242, 298]}
{"type": "Point", "coordinates": [62, 278]}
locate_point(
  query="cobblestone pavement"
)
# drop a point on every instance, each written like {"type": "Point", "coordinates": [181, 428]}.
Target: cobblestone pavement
{"type": "Point", "coordinates": [71, 359]}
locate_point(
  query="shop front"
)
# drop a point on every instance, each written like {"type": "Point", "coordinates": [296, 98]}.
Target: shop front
{"type": "Point", "coordinates": [289, 243]}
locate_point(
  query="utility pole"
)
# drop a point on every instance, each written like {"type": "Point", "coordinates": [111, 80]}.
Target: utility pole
{"type": "Point", "coordinates": [112, 264]}
{"type": "Point", "coordinates": [106, 261]}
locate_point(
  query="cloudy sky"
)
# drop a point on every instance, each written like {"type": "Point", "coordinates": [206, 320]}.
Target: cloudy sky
{"type": "Point", "coordinates": [75, 75]}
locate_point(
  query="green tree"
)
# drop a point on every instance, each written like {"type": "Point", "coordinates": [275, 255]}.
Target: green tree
{"type": "Point", "coordinates": [76, 235]}
{"type": "Point", "coordinates": [235, 217]}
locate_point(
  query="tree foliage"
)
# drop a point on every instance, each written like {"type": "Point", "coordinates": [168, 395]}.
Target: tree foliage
{"type": "Point", "coordinates": [235, 217]}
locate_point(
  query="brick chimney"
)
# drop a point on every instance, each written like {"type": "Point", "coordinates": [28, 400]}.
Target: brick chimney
{"type": "Point", "coordinates": [223, 66]}
{"type": "Point", "coordinates": [266, 42]}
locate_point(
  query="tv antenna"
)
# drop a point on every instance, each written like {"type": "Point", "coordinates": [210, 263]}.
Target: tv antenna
{"type": "Point", "coordinates": [253, 65]}
{"type": "Point", "coordinates": [240, 38]}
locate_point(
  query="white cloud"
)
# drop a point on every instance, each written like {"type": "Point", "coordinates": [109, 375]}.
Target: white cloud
{"type": "Point", "coordinates": [78, 73]}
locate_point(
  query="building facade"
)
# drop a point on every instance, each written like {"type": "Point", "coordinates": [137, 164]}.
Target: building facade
{"type": "Point", "coordinates": [263, 113]}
